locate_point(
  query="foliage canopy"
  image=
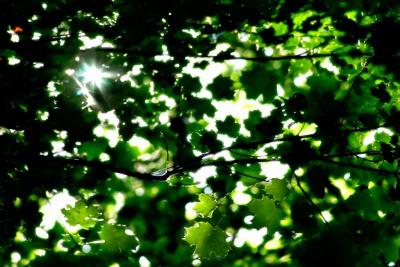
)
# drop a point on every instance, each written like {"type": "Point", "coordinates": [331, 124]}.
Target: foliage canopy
{"type": "Point", "coordinates": [214, 133]}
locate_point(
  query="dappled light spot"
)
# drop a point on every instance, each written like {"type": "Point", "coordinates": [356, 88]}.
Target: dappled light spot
{"type": "Point", "coordinates": [40, 232]}
{"type": "Point", "coordinates": [252, 237]}
{"type": "Point", "coordinates": [144, 262]}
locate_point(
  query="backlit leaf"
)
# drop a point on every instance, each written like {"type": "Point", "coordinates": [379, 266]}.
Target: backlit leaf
{"type": "Point", "coordinates": [260, 81]}
{"type": "Point", "coordinates": [277, 188]}
{"type": "Point", "coordinates": [85, 216]}
{"type": "Point", "coordinates": [210, 241]}
{"type": "Point", "coordinates": [205, 205]}
{"type": "Point", "coordinates": [266, 214]}
{"type": "Point", "coordinates": [117, 239]}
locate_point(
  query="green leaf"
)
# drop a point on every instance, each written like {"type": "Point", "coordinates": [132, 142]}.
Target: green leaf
{"type": "Point", "coordinates": [265, 214]}
{"type": "Point", "coordinates": [93, 149]}
{"type": "Point", "coordinates": [190, 84]}
{"type": "Point", "coordinates": [206, 140]}
{"type": "Point", "coordinates": [203, 107]}
{"type": "Point", "coordinates": [253, 120]}
{"type": "Point", "coordinates": [323, 82]}
{"type": "Point", "coordinates": [381, 93]}
{"type": "Point", "coordinates": [85, 216]}
{"type": "Point", "coordinates": [222, 88]}
{"type": "Point", "coordinates": [254, 124]}
{"type": "Point", "coordinates": [247, 172]}
{"type": "Point", "coordinates": [206, 205]}
{"type": "Point", "coordinates": [210, 241]}
{"type": "Point", "coordinates": [291, 151]}
{"type": "Point", "coordinates": [8, 53]}
{"type": "Point", "coordinates": [277, 188]}
{"type": "Point", "coordinates": [116, 239]}
{"type": "Point", "coordinates": [125, 154]}
{"type": "Point", "coordinates": [317, 179]}
{"type": "Point", "coordinates": [260, 81]}
{"type": "Point", "coordinates": [228, 127]}
{"type": "Point", "coordinates": [280, 28]}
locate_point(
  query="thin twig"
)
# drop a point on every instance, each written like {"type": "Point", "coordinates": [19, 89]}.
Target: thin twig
{"type": "Point", "coordinates": [246, 155]}
{"type": "Point", "coordinates": [307, 196]}
{"type": "Point", "coordinates": [352, 154]}
{"type": "Point", "coordinates": [360, 167]}
{"type": "Point", "coordinates": [166, 148]}
{"type": "Point", "coordinates": [251, 176]}
{"type": "Point", "coordinates": [353, 84]}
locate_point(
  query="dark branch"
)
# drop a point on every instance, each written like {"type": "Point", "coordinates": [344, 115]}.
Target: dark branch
{"type": "Point", "coordinates": [201, 161]}
{"type": "Point", "coordinates": [100, 165]}
{"type": "Point", "coordinates": [263, 59]}
{"type": "Point", "coordinates": [360, 167]}
{"type": "Point", "coordinates": [191, 166]}
{"type": "Point", "coordinates": [265, 141]}
{"type": "Point", "coordinates": [352, 154]}
{"type": "Point", "coordinates": [252, 176]}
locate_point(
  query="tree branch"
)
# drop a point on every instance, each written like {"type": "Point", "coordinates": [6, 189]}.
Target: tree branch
{"type": "Point", "coordinates": [262, 59]}
{"type": "Point", "coordinates": [191, 166]}
{"type": "Point", "coordinates": [99, 165]}
{"type": "Point", "coordinates": [356, 166]}
{"type": "Point", "coordinates": [200, 161]}
{"type": "Point", "coordinates": [352, 154]}
{"type": "Point", "coordinates": [265, 141]}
